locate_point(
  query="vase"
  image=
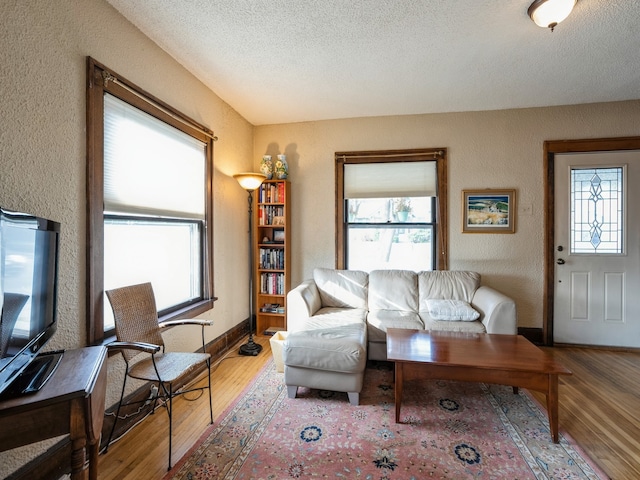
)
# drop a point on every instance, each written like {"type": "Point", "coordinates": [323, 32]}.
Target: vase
{"type": "Point", "coordinates": [266, 166]}
{"type": "Point", "coordinates": [281, 168]}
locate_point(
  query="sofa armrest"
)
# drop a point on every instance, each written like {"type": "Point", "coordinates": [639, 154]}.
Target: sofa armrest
{"type": "Point", "coordinates": [498, 311]}
{"type": "Point", "coordinates": [302, 302]}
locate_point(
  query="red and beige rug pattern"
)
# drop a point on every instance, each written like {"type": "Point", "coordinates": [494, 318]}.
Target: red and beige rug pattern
{"type": "Point", "coordinates": [450, 430]}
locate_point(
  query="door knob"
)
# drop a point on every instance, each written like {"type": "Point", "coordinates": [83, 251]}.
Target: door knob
{"type": "Point", "coordinates": [560, 261]}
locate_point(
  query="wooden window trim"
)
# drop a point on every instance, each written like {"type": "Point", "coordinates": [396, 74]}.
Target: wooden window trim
{"type": "Point", "coordinates": [100, 79]}
{"type": "Point", "coordinates": [439, 155]}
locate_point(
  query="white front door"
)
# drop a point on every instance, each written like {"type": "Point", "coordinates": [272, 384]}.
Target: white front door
{"type": "Point", "coordinates": [597, 249]}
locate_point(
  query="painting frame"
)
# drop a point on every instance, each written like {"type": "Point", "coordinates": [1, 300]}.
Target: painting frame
{"type": "Point", "coordinates": [489, 211]}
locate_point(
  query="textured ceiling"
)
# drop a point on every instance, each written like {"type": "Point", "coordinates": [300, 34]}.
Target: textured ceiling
{"type": "Point", "coordinates": [278, 61]}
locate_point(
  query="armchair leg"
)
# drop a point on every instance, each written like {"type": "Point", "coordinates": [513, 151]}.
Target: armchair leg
{"type": "Point", "coordinates": [170, 412]}
{"type": "Point", "coordinates": [208, 362]}
{"type": "Point", "coordinates": [115, 420]}
{"type": "Point", "coordinates": [210, 399]}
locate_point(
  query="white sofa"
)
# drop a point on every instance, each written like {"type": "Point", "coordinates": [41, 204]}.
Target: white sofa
{"type": "Point", "coordinates": [339, 318]}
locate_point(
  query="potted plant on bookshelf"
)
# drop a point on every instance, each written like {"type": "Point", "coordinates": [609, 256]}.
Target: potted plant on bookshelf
{"type": "Point", "coordinates": [402, 208]}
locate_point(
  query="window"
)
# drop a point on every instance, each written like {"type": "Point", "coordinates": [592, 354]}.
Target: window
{"type": "Point", "coordinates": [149, 201]}
{"type": "Point", "coordinates": [597, 210]}
{"type": "Point", "coordinates": [390, 210]}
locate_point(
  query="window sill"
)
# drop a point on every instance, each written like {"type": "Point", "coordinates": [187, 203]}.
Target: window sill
{"type": "Point", "coordinates": [189, 311]}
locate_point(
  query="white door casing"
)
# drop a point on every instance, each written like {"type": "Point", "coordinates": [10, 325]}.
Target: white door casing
{"type": "Point", "coordinates": [597, 270]}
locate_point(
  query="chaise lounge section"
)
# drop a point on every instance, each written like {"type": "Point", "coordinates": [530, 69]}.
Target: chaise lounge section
{"type": "Point", "coordinates": [326, 347]}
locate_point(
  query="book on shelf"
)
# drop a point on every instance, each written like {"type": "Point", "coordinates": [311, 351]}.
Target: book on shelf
{"type": "Point", "coordinates": [272, 283]}
{"type": "Point", "coordinates": [272, 308]}
{"type": "Point", "coordinates": [273, 330]}
{"type": "Point", "coordinates": [271, 258]}
{"type": "Point", "coordinates": [271, 193]}
{"type": "Point", "coordinates": [271, 215]}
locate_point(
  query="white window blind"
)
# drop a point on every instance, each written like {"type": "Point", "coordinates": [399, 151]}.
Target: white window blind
{"type": "Point", "coordinates": [389, 180]}
{"type": "Point", "coordinates": [150, 168]}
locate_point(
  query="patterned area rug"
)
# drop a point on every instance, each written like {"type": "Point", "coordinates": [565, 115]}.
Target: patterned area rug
{"type": "Point", "coordinates": [450, 430]}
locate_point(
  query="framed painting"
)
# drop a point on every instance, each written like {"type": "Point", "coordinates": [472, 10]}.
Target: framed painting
{"type": "Point", "coordinates": [488, 211]}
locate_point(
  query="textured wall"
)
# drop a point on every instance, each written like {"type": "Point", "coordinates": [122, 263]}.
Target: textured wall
{"type": "Point", "coordinates": [42, 150]}
{"type": "Point", "coordinates": [42, 162]}
{"type": "Point", "coordinates": [495, 149]}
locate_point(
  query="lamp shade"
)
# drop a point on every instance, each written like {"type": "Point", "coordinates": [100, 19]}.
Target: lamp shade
{"type": "Point", "coordinates": [250, 181]}
{"type": "Point", "coordinates": [549, 13]}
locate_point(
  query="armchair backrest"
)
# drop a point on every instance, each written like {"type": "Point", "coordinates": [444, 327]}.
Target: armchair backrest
{"type": "Point", "coordinates": [135, 315]}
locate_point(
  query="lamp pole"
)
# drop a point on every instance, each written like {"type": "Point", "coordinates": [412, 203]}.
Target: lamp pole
{"type": "Point", "coordinates": [250, 181]}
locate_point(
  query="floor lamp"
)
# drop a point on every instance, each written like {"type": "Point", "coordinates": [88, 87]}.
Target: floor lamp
{"type": "Point", "coordinates": [250, 181]}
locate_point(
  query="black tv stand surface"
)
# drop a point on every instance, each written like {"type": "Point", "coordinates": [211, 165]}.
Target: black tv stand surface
{"type": "Point", "coordinates": [33, 378]}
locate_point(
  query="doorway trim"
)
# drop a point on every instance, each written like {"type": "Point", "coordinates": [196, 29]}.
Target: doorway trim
{"type": "Point", "coordinates": [550, 149]}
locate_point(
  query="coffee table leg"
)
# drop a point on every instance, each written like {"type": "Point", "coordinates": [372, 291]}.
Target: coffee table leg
{"type": "Point", "coordinates": [552, 407]}
{"type": "Point", "coordinates": [398, 388]}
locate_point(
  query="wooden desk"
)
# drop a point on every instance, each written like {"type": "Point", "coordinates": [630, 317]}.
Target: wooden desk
{"type": "Point", "coordinates": [475, 357]}
{"type": "Point", "coordinates": [72, 402]}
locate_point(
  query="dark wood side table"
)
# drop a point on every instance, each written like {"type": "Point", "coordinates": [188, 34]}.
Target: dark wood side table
{"type": "Point", "coordinates": [72, 402]}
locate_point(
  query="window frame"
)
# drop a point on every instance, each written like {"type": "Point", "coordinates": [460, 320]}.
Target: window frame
{"type": "Point", "coordinates": [438, 155]}
{"type": "Point", "coordinates": [432, 226]}
{"type": "Point", "coordinates": [100, 79]}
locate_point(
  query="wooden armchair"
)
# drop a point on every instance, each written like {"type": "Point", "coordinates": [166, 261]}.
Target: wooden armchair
{"type": "Point", "coordinates": [142, 347]}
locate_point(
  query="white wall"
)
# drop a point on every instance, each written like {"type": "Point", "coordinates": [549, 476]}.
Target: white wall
{"type": "Point", "coordinates": [43, 50]}
{"type": "Point", "coordinates": [496, 149]}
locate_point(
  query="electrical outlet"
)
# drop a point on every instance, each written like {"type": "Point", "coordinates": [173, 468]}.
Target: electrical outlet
{"type": "Point", "coordinates": [153, 393]}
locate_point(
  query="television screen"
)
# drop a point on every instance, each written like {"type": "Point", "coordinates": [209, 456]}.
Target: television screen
{"type": "Point", "coordinates": [28, 289]}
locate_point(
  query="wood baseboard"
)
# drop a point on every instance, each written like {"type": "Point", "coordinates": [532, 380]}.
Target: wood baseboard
{"type": "Point", "coordinates": [534, 335]}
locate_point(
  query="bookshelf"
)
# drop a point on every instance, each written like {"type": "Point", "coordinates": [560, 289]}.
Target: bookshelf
{"type": "Point", "coordinates": [273, 255]}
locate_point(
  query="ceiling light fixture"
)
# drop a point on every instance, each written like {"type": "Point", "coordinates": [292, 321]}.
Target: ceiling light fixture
{"type": "Point", "coordinates": [549, 13]}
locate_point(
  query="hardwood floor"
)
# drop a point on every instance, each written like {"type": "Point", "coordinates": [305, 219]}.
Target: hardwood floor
{"type": "Point", "coordinates": [599, 407]}
{"type": "Point", "coordinates": [142, 453]}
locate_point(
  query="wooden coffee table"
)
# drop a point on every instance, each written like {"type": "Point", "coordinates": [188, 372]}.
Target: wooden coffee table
{"type": "Point", "coordinates": [475, 357]}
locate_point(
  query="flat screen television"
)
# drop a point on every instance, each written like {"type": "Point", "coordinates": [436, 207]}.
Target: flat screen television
{"type": "Point", "coordinates": [28, 297]}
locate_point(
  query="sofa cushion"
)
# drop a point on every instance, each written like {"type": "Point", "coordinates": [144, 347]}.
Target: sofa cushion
{"type": "Point", "coordinates": [341, 288]}
{"type": "Point", "coordinates": [451, 310]}
{"type": "Point", "coordinates": [445, 326]}
{"type": "Point", "coordinates": [378, 321]}
{"type": "Point", "coordinates": [393, 290]}
{"type": "Point", "coordinates": [335, 317]}
{"type": "Point", "coordinates": [334, 349]}
{"type": "Point", "coordinates": [449, 284]}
